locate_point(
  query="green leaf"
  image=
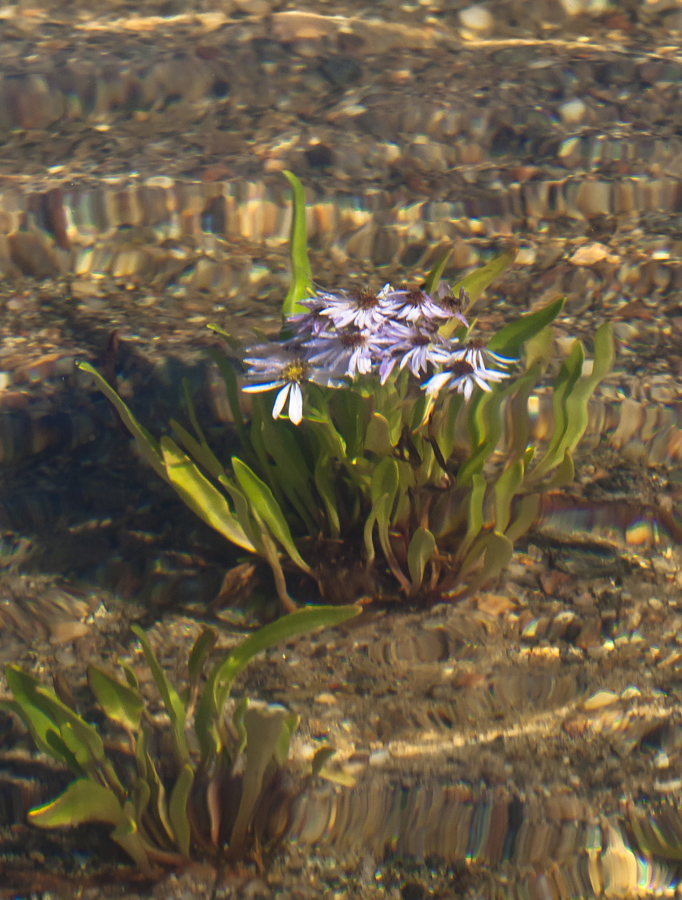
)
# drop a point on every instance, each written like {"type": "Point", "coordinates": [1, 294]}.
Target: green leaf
{"type": "Point", "coordinates": [177, 808]}
{"type": "Point", "coordinates": [509, 340]}
{"type": "Point", "coordinates": [221, 677]}
{"type": "Point", "coordinates": [267, 509]}
{"type": "Point", "coordinates": [475, 283]}
{"type": "Point", "coordinates": [201, 496]}
{"type": "Point", "coordinates": [577, 400]}
{"type": "Point", "coordinates": [563, 475]}
{"type": "Point", "coordinates": [378, 435]}
{"type": "Point", "coordinates": [263, 724]}
{"type": "Point", "coordinates": [475, 516]}
{"type": "Point", "coordinates": [229, 376]}
{"type": "Point", "coordinates": [200, 453]}
{"type": "Point", "coordinates": [170, 697]}
{"type": "Point", "coordinates": [291, 470]}
{"type": "Point", "coordinates": [323, 755]}
{"type": "Point", "coordinates": [436, 273]}
{"type": "Point", "coordinates": [83, 801]}
{"type": "Point", "coordinates": [148, 446]}
{"type": "Point", "coordinates": [197, 657]}
{"type": "Point", "coordinates": [301, 276]}
{"type": "Point", "coordinates": [420, 551]}
{"type": "Point", "coordinates": [565, 382]}
{"type": "Point", "coordinates": [120, 702]}
{"type": "Point", "coordinates": [498, 553]}
{"type": "Point", "coordinates": [506, 487]}
{"type": "Point", "coordinates": [527, 514]}
{"type": "Point", "coordinates": [43, 727]}
{"type": "Point", "coordinates": [385, 480]}
{"type": "Point", "coordinates": [324, 483]}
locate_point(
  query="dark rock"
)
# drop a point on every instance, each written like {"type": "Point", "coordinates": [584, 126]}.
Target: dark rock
{"type": "Point", "coordinates": [341, 70]}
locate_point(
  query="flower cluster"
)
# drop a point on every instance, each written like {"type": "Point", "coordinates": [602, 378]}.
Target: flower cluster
{"type": "Point", "coordinates": [350, 333]}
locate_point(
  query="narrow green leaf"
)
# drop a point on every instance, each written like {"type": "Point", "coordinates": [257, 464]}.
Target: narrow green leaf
{"type": "Point", "coordinates": [203, 645]}
{"type": "Point", "coordinates": [475, 517]}
{"type": "Point", "coordinates": [120, 702]}
{"type": "Point", "coordinates": [506, 487]}
{"type": "Point", "coordinates": [201, 496]}
{"type": "Point", "coordinates": [177, 808]}
{"type": "Point", "coordinates": [325, 488]}
{"type": "Point", "coordinates": [233, 343]}
{"type": "Point", "coordinates": [563, 475]}
{"type": "Point", "coordinates": [148, 446]}
{"type": "Point", "coordinates": [267, 508]}
{"type": "Point", "coordinates": [385, 480]}
{"type": "Point", "coordinates": [301, 276]}
{"type": "Point", "coordinates": [475, 283]}
{"type": "Point", "coordinates": [577, 401]}
{"type": "Point", "coordinates": [436, 273]}
{"type": "Point", "coordinates": [509, 340]}
{"type": "Point", "coordinates": [565, 382]}
{"type": "Point", "coordinates": [291, 470]}
{"type": "Point", "coordinates": [527, 514]}
{"type": "Point", "coordinates": [200, 453]}
{"type": "Point", "coordinates": [170, 697]}
{"type": "Point", "coordinates": [420, 551]}
{"type": "Point", "coordinates": [229, 376]}
{"type": "Point", "coordinates": [303, 621]}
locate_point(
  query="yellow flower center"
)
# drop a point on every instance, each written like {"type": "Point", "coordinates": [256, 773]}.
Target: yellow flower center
{"type": "Point", "coordinates": [296, 371]}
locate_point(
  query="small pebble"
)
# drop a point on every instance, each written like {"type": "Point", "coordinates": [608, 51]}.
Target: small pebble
{"type": "Point", "coordinates": [572, 112]}
{"type": "Point", "coordinates": [476, 18]}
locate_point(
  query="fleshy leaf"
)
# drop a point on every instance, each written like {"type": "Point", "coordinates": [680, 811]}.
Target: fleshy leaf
{"type": "Point", "coordinates": [201, 496]}
{"type": "Point", "coordinates": [420, 551]}
{"type": "Point", "coordinates": [197, 657]}
{"type": "Point", "coordinates": [268, 510]}
{"type": "Point", "coordinates": [83, 801]}
{"type": "Point", "coordinates": [475, 283]}
{"type": "Point", "coordinates": [177, 808]}
{"type": "Point", "coordinates": [120, 702]}
{"type": "Point", "coordinates": [436, 273]}
{"type": "Point", "coordinates": [301, 276]}
{"type": "Point", "coordinates": [506, 486]}
{"type": "Point", "coordinates": [221, 677]}
{"type": "Point", "coordinates": [263, 724]}
{"type": "Point", "coordinates": [170, 697]}
{"type": "Point", "coordinates": [378, 435]}
{"type": "Point", "coordinates": [148, 446]}
{"type": "Point", "coordinates": [509, 340]}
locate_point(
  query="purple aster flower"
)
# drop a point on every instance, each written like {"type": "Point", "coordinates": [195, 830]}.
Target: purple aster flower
{"type": "Point", "coordinates": [462, 377]}
{"type": "Point", "coordinates": [416, 346]}
{"type": "Point", "coordinates": [347, 352]}
{"type": "Point", "coordinates": [412, 305]}
{"type": "Point", "coordinates": [477, 355]}
{"type": "Point", "coordinates": [276, 366]}
{"type": "Point", "coordinates": [361, 309]}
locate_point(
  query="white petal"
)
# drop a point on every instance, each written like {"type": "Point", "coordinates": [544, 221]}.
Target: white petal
{"type": "Point", "coordinates": [467, 388]}
{"type": "Point", "coordinates": [280, 400]}
{"type": "Point", "coordinates": [296, 404]}
{"type": "Point", "coordinates": [256, 388]}
{"type": "Point", "coordinates": [436, 382]}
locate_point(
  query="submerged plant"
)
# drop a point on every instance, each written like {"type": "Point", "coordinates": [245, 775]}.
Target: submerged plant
{"type": "Point", "coordinates": [382, 415]}
{"type": "Point", "coordinates": [204, 799]}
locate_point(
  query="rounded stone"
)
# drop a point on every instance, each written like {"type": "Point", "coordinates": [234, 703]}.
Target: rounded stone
{"type": "Point", "coordinates": [476, 18]}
